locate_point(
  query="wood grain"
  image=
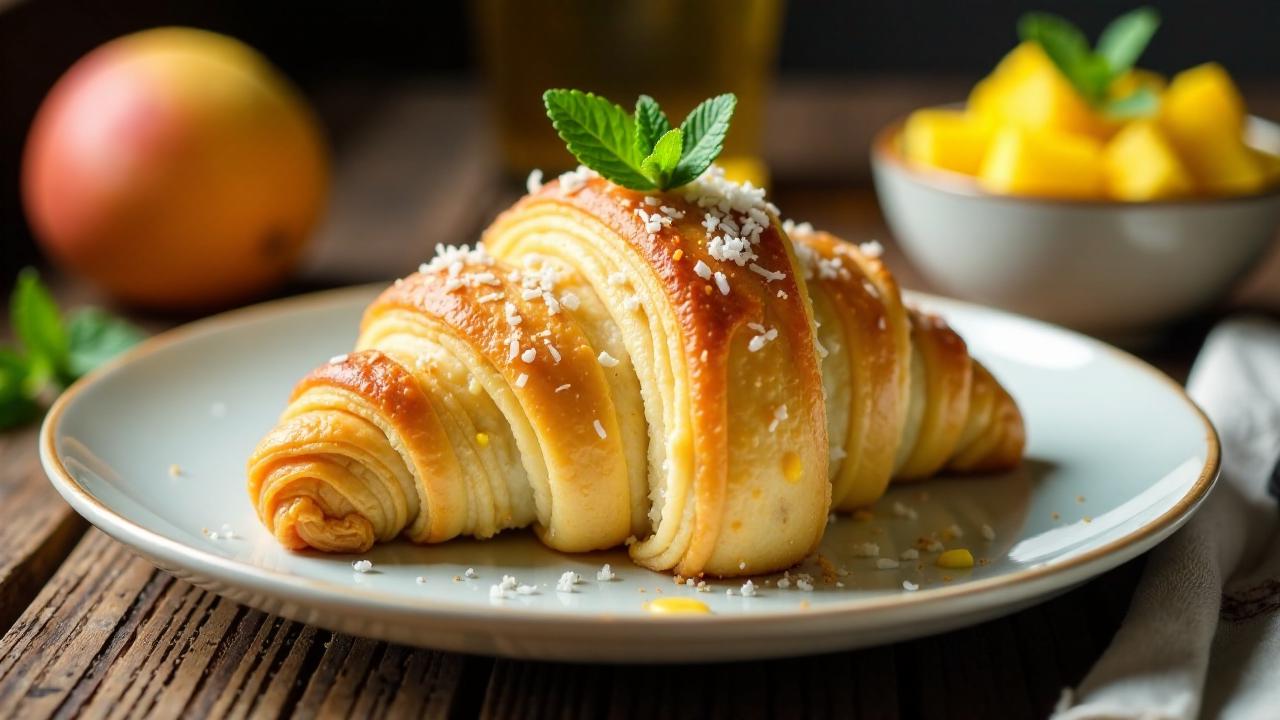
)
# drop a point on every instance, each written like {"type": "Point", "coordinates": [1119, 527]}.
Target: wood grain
{"type": "Point", "coordinates": [37, 529]}
{"type": "Point", "coordinates": [89, 629]}
{"type": "Point", "coordinates": [110, 636]}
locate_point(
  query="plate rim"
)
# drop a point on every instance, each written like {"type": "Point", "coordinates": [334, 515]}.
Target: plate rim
{"type": "Point", "coordinates": [306, 590]}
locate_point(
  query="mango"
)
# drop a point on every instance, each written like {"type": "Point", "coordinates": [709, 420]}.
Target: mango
{"type": "Point", "coordinates": [175, 168]}
{"type": "Point", "coordinates": [1224, 165]}
{"type": "Point", "coordinates": [946, 139]}
{"type": "Point", "coordinates": [1043, 163]}
{"type": "Point", "coordinates": [1141, 164]}
{"type": "Point", "coordinates": [1026, 89]}
{"type": "Point", "coordinates": [1202, 101]}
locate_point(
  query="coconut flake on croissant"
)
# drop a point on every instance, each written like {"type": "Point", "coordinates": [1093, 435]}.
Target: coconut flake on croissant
{"type": "Point", "coordinates": [608, 368]}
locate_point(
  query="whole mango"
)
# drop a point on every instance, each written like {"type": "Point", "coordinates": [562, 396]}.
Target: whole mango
{"type": "Point", "coordinates": [175, 168]}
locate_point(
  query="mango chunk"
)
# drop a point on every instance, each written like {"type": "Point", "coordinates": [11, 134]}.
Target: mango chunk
{"type": "Point", "coordinates": [1026, 89]}
{"type": "Point", "coordinates": [1224, 166]}
{"type": "Point", "coordinates": [1200, 102]}
{"type": "Point", "coordinates": [1043, 163]}
{"type": "Point", "coordinates": [1141, 165]}
{"type": "Point", "coordinates": [947, 139]}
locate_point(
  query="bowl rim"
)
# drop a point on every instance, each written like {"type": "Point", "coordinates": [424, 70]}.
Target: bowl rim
{"type": "Point", "coordinates": [886, 153]}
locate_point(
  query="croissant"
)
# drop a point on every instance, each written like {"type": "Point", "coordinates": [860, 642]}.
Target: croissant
{"type": "Point", "coordinates": [675, 373]}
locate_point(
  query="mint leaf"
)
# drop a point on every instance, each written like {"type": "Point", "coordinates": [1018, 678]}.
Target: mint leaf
{"type": "Point", "coordinates": [662, 161]}
{"type": "Point", "coordinates": [704, 132]}
{"type": "Point", "coordinates": [1069, 50]}
{"type": "Point", "coordinates": [16, 406]}
{"type": "Point", "coordinates": [37, 324]}
{"type": "Point", "coordinates": [1142, 102]}
{"type": "Point", "coordinates": [1125, 38]}
{"type": "Point", "coordinates": [651, 124]}
{"type": "Point", "coordinates": [599, 134]}
{"type": "Point", "coordinates": [95, 336]}
{"type": "Point", "coordinates": [1090, 72]}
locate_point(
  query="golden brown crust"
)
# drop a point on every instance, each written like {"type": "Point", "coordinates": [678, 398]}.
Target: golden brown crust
{"type": "Point", "coordinates": [915, 393]}
{"type": "Point", "coordinates": [875, 331]}
{"type": "Point", "coordinates": [709, 322]}
{"type": "Point", "coordinates": [590, 501]}
{"type": "Point", "coordinates": [480, 398]}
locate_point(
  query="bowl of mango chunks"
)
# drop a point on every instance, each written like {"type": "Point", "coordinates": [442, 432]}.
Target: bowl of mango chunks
{"type": "Point", "coordinates": [1115, 208]}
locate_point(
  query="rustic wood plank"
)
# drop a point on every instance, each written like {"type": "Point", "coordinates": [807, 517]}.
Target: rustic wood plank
{"type": "Point", "coordinates": [110, 636]}
{"type": "Point", "coordinates": [37, 529]}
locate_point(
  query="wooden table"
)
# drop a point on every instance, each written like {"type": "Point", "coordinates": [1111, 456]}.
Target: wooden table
{"type": "Point", "coordinates": [88, 628]}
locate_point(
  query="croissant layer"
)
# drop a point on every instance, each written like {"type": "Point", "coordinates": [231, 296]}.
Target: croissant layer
{"type": "Point", "coordinates": [676, 373]}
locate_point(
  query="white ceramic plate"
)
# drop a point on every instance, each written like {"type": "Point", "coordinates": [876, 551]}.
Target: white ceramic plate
{"type": "Point", "coordinates": [1118, 459]}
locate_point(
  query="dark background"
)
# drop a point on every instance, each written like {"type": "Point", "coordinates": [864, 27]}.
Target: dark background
{"type": "Point", "coordinates": [319, 43]}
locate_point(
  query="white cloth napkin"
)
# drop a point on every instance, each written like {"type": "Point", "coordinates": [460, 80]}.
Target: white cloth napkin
{"type": "Point", "coordinates": [1202, 637]}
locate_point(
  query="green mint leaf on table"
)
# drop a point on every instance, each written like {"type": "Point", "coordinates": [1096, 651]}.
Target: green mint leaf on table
{"type": "Point", "coordinates": [1140, 103]}
{"type": "Point", "coordinates": [37, 325]}
{"type": "Point", "coordinates": [651, 125]}
{"type": "Point", "coordinates": [599, 134]}
{"type": "Point", "coordinates": [52, 351]}
{"type": "Point", "coordinates": [1125, 38]}
{"type": "Point", "coordinates": [660, 163]}
{"type": "Point", "coordinates": [16, 406]}
{"type": "Point", "coordinates": [94, 337]}
{"type": "Point", "coordinates": [704, 132]}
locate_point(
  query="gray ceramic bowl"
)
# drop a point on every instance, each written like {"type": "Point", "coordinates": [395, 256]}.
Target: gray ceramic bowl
{"type": "Point", "coordinates": [1110, 268]}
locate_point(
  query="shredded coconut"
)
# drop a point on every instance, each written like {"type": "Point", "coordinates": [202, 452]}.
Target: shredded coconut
{"type": "Point", "coordinates": [605, 574]}
{"type": "Point", "coordinates": [599, 428]}
{"type": "Point", "coordinates": [722, 282]}
{"type": "Point", "coordinates": [362, 566]}
{"type": "Point", "coordinates": [748, 589]}
{"type": "Point", "coordinates": [767, 274]}
{"type": "Point", "coordinates": [529, 355]}
{"type": "Point", "coordinates": [607, 360]}
{"type": "Point", "coordinates": [471, 574]}
{"type": "Point", "coordinates": [779, 414]}
{"type": "Point", "coordinates": [886, 564]}
{"type": "Point", "coordinates": [867, 550]}
{"type": "Point", "coordinates": [909, 586]}
{"type": "Point", "coordinates": [521, 380]}
{"type": "Point", "coordinates": [567, 581]}
{"type": "Point", "coordinates": [534, 182]}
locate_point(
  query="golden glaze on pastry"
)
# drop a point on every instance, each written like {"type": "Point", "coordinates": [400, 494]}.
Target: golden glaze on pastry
{"type": "Point", "coordinates": [615, 366]}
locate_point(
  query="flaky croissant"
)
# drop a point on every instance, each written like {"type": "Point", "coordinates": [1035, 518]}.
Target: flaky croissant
{"type": "Point", "coordinates": [611, 368]}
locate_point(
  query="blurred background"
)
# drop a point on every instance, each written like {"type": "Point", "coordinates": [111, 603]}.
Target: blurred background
{"type": "Point", "coordinates": [433, 116]}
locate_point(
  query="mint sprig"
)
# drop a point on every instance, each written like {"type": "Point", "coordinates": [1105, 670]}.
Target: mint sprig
{"type": "Point", "coordinates": [1091, 71]}
{"type": "Point", "coordinates": [640, 152]}
{"type": "Point", "coordinates": [52, 351]}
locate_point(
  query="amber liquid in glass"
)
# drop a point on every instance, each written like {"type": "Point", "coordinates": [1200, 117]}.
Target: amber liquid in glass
{"type": "Point", "coordinates": [678, 51]}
